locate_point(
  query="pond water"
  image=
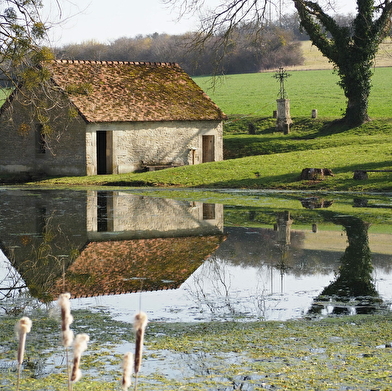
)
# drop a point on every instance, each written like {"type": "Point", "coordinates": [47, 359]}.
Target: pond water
{"type": "Point", "coordinates": [220, 255]}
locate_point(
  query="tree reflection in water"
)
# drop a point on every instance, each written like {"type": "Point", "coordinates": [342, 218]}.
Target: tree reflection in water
{"type": "Point", "coordinates": [214, 290]}
{"type": "Point", "coordinates": [354, 281]}
{"type": "Point", "coordinates": [215, 273]}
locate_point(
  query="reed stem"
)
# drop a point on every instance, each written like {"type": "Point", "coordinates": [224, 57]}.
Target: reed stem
{"type": "Point", "coordinates": [127, 371]}
{"type": "Point", "coordinates": [66, 332]}
{"type": "Point", "coordinates": [23, 327]}
{"type": "Point", "coordinates": [139, 326]}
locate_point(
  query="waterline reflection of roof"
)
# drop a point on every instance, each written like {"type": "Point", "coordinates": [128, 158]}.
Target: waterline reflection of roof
{"type": "Point", "coordinates": [116, 267]}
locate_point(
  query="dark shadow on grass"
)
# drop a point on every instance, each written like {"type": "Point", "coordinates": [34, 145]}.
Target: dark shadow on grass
{"type": "Point", "coordinates": [326, 128]}
{"type": "Point", "coordinates": [263, 182]}
{"type": "Point", "coordinates": [269, 141]}
{"type": "Point", "coordinates": [130, 183]}
{"type": "Point", "coordinates": [385, 165]}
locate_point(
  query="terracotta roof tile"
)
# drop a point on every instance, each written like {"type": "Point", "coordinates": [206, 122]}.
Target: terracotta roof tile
{"type": "Point", "coordinates": [117, 267]}
{"type": "Point", "coordinates": [115, 91]}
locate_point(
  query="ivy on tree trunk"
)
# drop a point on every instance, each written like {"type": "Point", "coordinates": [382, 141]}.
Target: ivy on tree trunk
{"type": "Point", "coordinates": [351, 50]}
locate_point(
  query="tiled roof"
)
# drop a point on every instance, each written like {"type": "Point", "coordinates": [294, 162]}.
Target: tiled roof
{"type": "Point", "coordinates": [115, 267]}
{"type": "Point", "coordinates": [112, 91]}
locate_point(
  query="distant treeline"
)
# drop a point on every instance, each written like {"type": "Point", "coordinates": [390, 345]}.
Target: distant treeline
{"type": "Point", "coordinates": [249, 48]}
{"type": "Point", "coordinates": [271, 47]}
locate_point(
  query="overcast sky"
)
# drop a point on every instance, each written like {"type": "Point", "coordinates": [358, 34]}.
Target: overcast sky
{"type": "Point", "coordinates": [107, 20]}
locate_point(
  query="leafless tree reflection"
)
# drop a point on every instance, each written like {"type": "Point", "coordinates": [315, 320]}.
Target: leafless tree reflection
{"type": "Point", "coordinates": [213, 288]}
{"type": "Point", "coordinates": [14, 295]}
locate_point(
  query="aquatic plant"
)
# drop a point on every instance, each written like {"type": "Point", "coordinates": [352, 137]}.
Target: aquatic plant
{"type": "Point", "coordinates": [127, 371]}
{"type": "Point", "coordinates": [131, 362]}
{"type": "Point", "coordinates": [67, 335]}
{"type": "Point", "coordinates": [80, 345]}
{"type": "Point", "coordinates": [23, 327]}
{"type": "Point", "coordinates": [139, 326]}
{"type": "Point", "coordinates": [336, 352]}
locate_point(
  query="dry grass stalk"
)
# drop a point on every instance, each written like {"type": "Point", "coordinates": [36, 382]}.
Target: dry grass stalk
{"type": "Point", "coordinates": [66, 319]}
{"type": "Point", "coordinates": [80, 345]}
{"type": "Point", "coordinates": [127, 371]}
{"type": "Point", "coordinates": [139, 326]}
{"type": "Point", "coordinates": [23, 327]}
{"type": "Point", "coordinates": [67, 335]}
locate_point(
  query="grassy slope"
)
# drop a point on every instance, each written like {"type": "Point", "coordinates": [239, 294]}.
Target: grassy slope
{"type": "Point", "coordinates": [367, 147]}
{"type": "Point", "coordinates": [277, 171]}
{"type": "Point", "coordinates": [315, 60]}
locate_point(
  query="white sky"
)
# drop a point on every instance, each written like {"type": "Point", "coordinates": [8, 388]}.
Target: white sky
{"type": "Point", "coordinates": [104, 21]}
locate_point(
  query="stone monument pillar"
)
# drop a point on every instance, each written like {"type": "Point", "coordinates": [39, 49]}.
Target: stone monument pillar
{"type": "Point", "coordinates": [284, 223]}
{"type": "Point", "coordinates": [283, 118]}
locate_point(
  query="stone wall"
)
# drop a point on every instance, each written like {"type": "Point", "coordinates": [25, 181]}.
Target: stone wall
{"type": "Point", "coordinates": [64, 151]}
{"type": "Point", "coordinates": [130, 216]}
{"type": "Point", "coordinates": [154, 143]}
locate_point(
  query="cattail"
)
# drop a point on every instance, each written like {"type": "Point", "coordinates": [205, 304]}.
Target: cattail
{"type": "Point", "coordinates": [67, 337]}
{"type": "Point", "coordinates": [127, 371]}
{"type": "Point", "coordinates": [80, 345]}
{"type": "Point", "coordinates": [139, 326]}
{"type": "Point", "coordinates": [66, 319]}
{"type": "Point", "coordinates": [23, 327]}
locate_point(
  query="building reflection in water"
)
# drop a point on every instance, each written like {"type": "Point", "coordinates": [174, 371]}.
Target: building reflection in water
{"type": "Point", "coordinates": [138, 243]}
{"type": "Point", "coordinates": [98, 242]}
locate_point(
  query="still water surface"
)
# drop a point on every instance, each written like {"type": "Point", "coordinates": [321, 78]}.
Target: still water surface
{"type": "Point", "coordinates": [254, 255]}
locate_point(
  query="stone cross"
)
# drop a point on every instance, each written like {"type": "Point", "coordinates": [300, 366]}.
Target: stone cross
{"type": "Point", "coordinates": [283, 118]}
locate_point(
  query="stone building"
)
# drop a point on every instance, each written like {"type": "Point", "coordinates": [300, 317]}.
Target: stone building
{"type": "Point", "coordinates": [100, 117]}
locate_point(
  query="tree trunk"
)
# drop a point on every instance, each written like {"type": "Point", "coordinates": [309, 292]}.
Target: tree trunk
{"type": "Point", "coordinates": [356, 86]}
{"type": "Point", "coordinates": [356, 112]}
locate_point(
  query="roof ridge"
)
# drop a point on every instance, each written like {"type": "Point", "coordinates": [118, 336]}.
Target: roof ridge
{"type": "Point", "coordinates": [156, 63]}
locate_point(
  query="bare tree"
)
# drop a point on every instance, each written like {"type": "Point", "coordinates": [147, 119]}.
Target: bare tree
{"type": "Point", "coordinates": [22, 68]}
{"type": "Point", "coordinates": [21, 35]}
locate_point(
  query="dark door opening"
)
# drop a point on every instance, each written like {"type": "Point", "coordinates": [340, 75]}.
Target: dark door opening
{"type": "Point", "coordinates": [208, 211]}
{"type": "Point", "coordinates": [102, 212]}
{"type": "Point", "coordinates": [104, 152]}
{"type": "Point", "coordinates": [105, 211]}
{"type": "Point", "coordinates": [208, 149]}
{"type": "Point", "coordinates": [101, 152]}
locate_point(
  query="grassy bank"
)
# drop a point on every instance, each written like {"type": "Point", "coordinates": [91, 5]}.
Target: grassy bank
{"type": "Point", "coordinates": [330, 354]}
{"type": "Point", "coordinates": [275, 161]}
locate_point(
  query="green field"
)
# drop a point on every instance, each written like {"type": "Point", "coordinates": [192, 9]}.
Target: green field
{"type": "Point", "coordinates": [255, 94]}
